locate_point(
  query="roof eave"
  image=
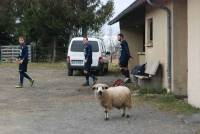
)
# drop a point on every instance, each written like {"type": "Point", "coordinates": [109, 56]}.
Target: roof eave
{"type": "Point", "coordinates": [130, 8]}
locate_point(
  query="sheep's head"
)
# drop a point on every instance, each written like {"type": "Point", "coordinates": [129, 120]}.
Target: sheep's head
{"type": "Point", "coordinates": [100, 88]}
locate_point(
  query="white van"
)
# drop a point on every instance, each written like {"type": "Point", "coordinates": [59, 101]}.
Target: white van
{"type": "Point", "coordinates": [75, 56]}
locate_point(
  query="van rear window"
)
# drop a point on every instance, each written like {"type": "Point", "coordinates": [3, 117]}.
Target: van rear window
{"type": "Point", "coordinates": [77, 46]}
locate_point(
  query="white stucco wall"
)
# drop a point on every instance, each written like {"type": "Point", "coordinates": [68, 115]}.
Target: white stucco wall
{"type": "Point", "coordinates": [179, 47]}
{"type": "Point", "coordinates": [194, 52]}
{"type": "Point", "coordinates": [158, 50]}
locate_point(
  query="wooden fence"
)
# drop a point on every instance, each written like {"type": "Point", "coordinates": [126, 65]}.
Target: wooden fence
{"type": "Point", "coordinates": [10, 53]}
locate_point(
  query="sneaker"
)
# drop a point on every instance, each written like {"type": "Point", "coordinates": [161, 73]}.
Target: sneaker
{"type": "Point", "coordinates": [31, 83]}
{"type": "Point", "coordinates": [94, 81]}
{"type": "Point", "coordinates": [86, 84]}
{"type": "Point", "coordinates": [19, 86]}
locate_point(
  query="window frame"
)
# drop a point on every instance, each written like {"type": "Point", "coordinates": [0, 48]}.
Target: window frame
{"type": "Point", "coordinates": [150, 29]}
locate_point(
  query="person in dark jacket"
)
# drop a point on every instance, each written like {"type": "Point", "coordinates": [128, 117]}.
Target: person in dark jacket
{"type": "Point", "coordinates": [124, 57]}
{"type": "Point", "coordinates": [88, 62]}
{"type": "Point", "coordinates": [22, 60]}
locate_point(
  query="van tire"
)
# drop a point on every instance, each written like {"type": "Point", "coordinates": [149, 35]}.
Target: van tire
{"type": "Point", "coordinates": [70, 72]}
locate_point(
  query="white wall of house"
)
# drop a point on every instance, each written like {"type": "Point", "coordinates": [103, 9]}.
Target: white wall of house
{"type": "Point", "coordinates": [194, 52]}
{"type": "Point", "coordinates": [157, 49]}
{"type": "Point", "coordinates": [179, 47]}
{"type": "Point", "coordinates": [134, 38]}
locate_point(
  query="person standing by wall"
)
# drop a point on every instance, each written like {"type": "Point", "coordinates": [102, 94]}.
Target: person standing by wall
{"type": "Point", "coordinates": [124, 57]}
{"type": "Point", "coordinates": [22, 60]}
{"type": "Point", "coordinates": [88, 62]}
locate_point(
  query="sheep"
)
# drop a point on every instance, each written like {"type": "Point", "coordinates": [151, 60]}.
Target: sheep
{"type": "Point", "coordinates": [118, 97]}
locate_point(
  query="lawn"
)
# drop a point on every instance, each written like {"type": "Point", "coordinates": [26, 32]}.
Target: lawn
{"type": "Point", "coordinates": [166, 103]}
{"type": "Point", "coordinates": [57, 66]}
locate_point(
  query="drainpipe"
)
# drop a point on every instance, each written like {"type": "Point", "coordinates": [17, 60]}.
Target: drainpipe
{"type": "Point", "coordinates": [169, 39]}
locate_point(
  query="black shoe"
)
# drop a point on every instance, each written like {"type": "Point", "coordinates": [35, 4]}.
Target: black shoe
{"type": "Point", "coordinates": [86, 84]}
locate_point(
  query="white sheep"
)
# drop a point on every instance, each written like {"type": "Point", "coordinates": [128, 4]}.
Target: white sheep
{"type": "Point", "coordinates": [118, 97]}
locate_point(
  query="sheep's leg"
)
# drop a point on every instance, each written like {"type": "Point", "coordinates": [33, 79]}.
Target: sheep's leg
{"type": "Point", "coordinates": [106, 114]}
{"type": "Point", "coordinates": [124, 112]}
{"type": "Point", "coordinates": [128, 114]}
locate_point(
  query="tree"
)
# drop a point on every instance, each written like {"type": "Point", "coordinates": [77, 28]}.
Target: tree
{"type": "Point", "coordinates": [51, 23]}
{"type": "Point", "coordinates": [92, 14]}
{"type": "Point", "coordinates": [7, 22]}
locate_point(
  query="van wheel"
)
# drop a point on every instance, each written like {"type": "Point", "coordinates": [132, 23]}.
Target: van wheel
{"type": "Point", "coordinates": [70, 72]}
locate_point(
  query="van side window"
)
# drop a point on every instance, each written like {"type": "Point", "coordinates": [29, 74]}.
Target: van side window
{"type": "Point", "coordinates": [77, 46]}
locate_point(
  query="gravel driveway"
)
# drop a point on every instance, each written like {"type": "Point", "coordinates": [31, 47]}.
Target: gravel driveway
{"type": "Point", "coordinates": [57, 104]}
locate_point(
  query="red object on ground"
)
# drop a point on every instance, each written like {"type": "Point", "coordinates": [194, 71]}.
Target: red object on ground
{"type": "Point", "coordinates": [118, 82]}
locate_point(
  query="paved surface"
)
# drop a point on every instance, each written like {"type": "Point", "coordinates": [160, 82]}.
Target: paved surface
{"type": "Point", "coordinates": [59, 105]}
{"type": "Point", "coordinates": [193, 119]}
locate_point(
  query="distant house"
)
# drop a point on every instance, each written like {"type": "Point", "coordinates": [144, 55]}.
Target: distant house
{"type": "Point", "coordinates": [168, 31]}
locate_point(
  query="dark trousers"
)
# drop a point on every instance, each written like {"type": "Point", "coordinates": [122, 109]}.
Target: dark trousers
{"type": "Point", "coordinates": [125, 72]}
{"type": "Point", "coordinates": [22, 75]}
{"type": "Point", "coordinates": [88, 73]}
{"type": "Point", "coordinates": [124, 69]}
{"type": "Point", "coordinates": [22, 72]}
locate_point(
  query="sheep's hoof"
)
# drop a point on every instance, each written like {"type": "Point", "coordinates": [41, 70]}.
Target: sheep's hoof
{"type": "Point", "coordinates": [106, 119]}
{"type": "Point", "coordinates": [123, 115]}
{"type": "Point", "coordinates": [127, 116]}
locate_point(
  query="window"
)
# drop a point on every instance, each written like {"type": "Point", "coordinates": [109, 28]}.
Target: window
{"type": "Point", "coordinates": [77, 46]}
{"type": "Point", "coordinates": [150, 32]}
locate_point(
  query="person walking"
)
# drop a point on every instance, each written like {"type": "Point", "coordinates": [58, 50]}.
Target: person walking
{"type": "Point", "coordinates": [124, 57]}
{"type": "Point", "coordinates": [88, 62]}
{"type": "Point", "coordinates": [22, 60]}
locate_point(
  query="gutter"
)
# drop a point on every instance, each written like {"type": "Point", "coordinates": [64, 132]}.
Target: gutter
{"type": "Point", "coordinates": [169, 40]}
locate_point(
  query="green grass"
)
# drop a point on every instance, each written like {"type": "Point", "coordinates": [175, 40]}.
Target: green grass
{"type": "Point", "coordinates": [57, 66]}
{"type": "Point", "coordinates": [198, 131]}
{"type": "Point", "coordinates": [166, 102]}
{"type": "Point", "coordinates": [159, 98]}
{"type": "Point", "coordinates": [152, 91]}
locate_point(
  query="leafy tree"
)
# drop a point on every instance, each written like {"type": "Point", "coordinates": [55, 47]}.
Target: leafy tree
{"type": "Point", "coordinates": [7, 22]}
{"type": "Point", "coordinates": [51, 23]}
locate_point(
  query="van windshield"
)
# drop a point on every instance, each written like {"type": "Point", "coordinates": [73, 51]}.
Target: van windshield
{"type": "Point", "coordinates": [77, 46]}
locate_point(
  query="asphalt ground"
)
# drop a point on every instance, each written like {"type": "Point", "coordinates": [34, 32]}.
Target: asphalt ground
{"type": "Point", "coordinates": [58, 104]}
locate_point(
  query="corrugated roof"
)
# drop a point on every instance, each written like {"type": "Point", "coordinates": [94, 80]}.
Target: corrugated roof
{"type": "Point", "coordinates": [130, 8]}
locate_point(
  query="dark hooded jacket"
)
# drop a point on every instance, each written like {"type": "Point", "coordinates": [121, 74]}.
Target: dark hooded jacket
{"type": "Point", "coordinates": [124, 53]}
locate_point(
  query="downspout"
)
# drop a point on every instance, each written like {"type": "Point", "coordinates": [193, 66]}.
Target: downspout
{"type": "Point", "coordinates": [169, 40]}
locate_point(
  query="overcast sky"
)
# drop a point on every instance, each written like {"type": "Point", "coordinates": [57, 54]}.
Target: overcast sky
{"type": "Point", "coordinates": [120, 5]}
